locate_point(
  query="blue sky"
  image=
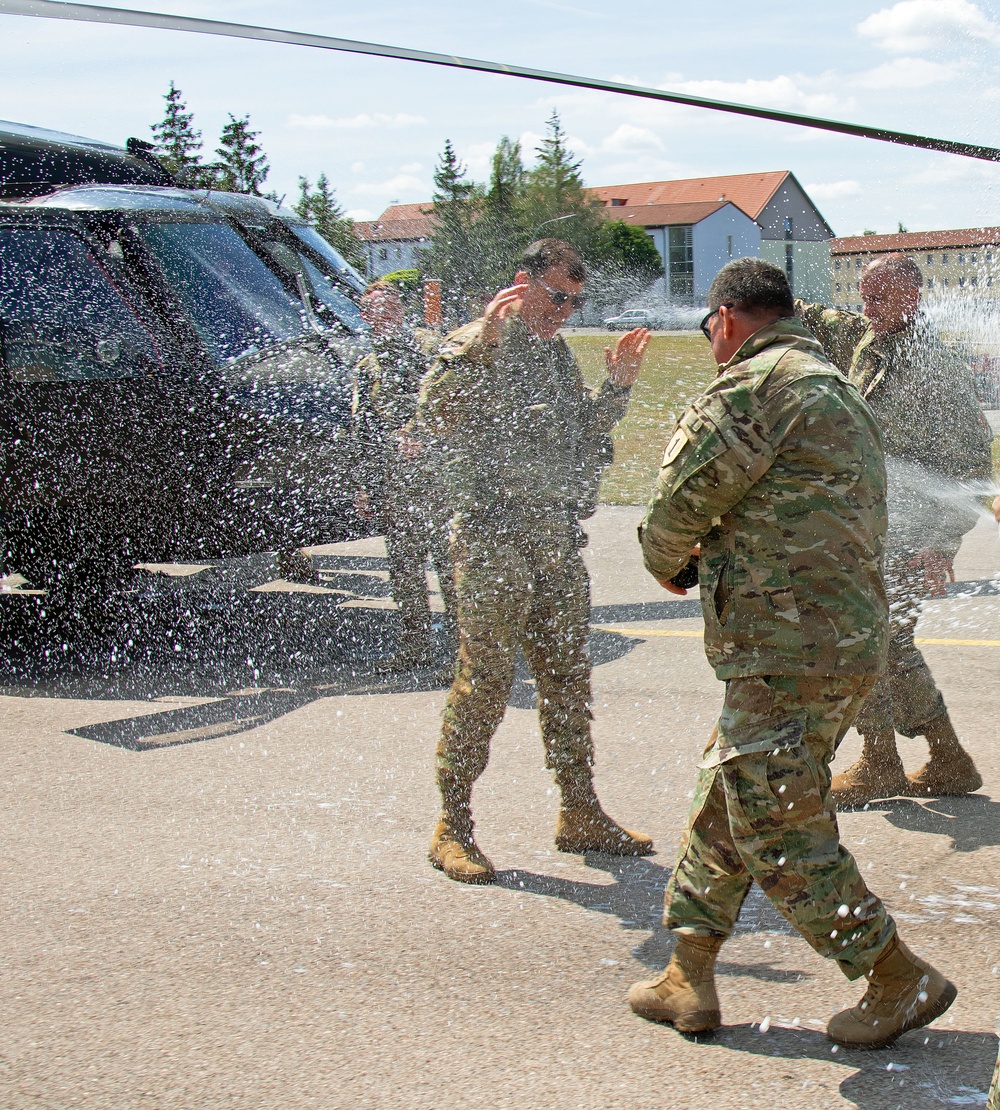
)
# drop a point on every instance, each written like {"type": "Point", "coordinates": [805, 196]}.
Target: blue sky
{"type": "Point", "coordinates": [376, 126]}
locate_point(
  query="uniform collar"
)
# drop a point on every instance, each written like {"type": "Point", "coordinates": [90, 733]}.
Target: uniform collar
{"type": "Point", "coordinates": [788, 330]}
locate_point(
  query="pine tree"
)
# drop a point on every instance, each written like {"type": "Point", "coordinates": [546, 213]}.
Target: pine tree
{"type": "Point", "coordinates": [499, 234]}
{"type": "Point", "coordinates": [556, 201]}
{"type": "Point", "coordinates": [242, 165]}
{"type": "Point", "coordinates": [507, 180]}
{"type": "Point", "coordinates": [320, 207]}
{"type": "Point", "coordinates": [450, 256]}
{"type": "Point", "coordinates": [176, 141]}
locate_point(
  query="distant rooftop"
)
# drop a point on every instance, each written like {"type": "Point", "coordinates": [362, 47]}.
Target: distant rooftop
{"type": "Point", "coordinates": [916, 241]}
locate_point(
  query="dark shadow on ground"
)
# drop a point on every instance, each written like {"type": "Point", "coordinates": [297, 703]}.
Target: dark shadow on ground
{"type": "Point", "coordinates": [254, 656]}
{"type": "Point", "coordinates": [636, 899]}
{"type": "Point", "coordinates": [952, 1068]}
{"type": "Point", "coordinates": [971, 821]}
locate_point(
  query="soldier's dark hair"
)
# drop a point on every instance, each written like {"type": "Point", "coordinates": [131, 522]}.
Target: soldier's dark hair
{"type": "Point", "coordinates": [899, 267]}
{"type": "Point", "coordinates": [752, 285]}
{"type": "Point", "coordinates": [543, 254]}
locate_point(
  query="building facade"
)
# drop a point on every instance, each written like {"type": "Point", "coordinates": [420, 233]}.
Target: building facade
{"type": "Point", "coordinates": [962, 262]}
{"type": "Point", "coordinates": [394, 241]}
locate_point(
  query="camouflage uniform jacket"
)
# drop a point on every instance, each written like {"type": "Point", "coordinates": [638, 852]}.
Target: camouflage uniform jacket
{"type": "Point", "coordinates": [922, 393]}
{"type": "Point", "coordinates": [386, 388]}
{"type": "Point", "coordinates": [777, 469]}
{"type": "Point", "coordinates": [526, 439]}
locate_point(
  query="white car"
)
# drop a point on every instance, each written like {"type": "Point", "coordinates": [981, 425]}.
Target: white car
{"type": "Point", "coordinates": [633, 318]}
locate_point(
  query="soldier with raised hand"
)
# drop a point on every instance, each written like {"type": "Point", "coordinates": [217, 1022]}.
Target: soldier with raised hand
{"type": "Point", "coordinates": [777, 473]}
{"type": "Point", "coordinates": [922, 394]}
{"type": "Point", "coordinates": [526, 442]}
{"type": "Point", "coordinates": [401, 471]}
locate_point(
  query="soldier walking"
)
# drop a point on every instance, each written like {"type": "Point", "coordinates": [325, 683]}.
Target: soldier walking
{"type": "Point", "coordinates": [525, 441]}
{"type": "Point", "coordinates": [921, 392]}
{"type": "Point", "coordinates": [777, 472]}
{"type": "Point", "coordinates": [402, 472]}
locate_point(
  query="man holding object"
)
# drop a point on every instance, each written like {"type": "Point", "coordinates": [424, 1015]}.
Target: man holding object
{"type": "Point", "coordinates": [777, 471]}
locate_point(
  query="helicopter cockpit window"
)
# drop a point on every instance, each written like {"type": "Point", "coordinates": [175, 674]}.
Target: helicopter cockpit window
{"type": "Point", "coordinates": [61, 317]}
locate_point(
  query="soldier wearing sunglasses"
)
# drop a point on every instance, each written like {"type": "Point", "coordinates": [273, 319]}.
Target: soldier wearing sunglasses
{"type": "Point", "coordinates": [526, 442]}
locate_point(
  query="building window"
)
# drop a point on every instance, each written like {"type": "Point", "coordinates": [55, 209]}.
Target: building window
{"type": "Point", "coordinates": [729, 245]}
{"type": "Point", "coordinates": [930, 283]}
{"type": "Point", "coordinates": [972, 259]}
{"type": "Point", "coordinates": [973, 280]}
{"type": "Point", "coordinates": [836, 264]}
{"type": "Point", "coordinates": [837, 287]}
{"type": "Point", "coordinates": [680, 253]}
{"type": "Point", "coordinates": [787, 222]}
{"type": "Point", "coordinates": [989, 256]}
{"type": "Point", "coordinates": [789, 262]}
{"type": "Point", "coordinates": [857, 263]}
{"type": "Point", "coordinates": [383, 253]}
{"type": "Point", "coordinates": [945, 281]}
{"type": "Point", "coordinates": [618, 202]}
{"type": "Point", "coordinates": [930, 260]}
{"type": "Point", "coordinates": [961, 258]}
{"type": "Point", "coordinates": [944, 260]}
{"type": "Point", "coordinates": [961, 283]}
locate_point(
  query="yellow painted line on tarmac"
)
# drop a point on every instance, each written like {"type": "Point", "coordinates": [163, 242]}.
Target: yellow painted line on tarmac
{"type": "Point", "coordinates": [699, 633]}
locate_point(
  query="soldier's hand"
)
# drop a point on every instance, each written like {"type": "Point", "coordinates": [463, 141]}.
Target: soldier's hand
{"type": "Point", "coordinates": [497, 311]}
{"type": "Point", "coordinates": [625, 361]}
{"type": "Point", "coordinates": [363, 505]}
{"type": "Point", "coordinates": [409, 446]}
{"type": "Point", "coordinates": [937, 568]}
{"type": "Point", "coordinates": [671, 588]}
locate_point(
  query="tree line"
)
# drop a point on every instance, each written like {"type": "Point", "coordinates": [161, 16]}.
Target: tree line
{"type": "Point", "coordinates": [241, 166]}
{"type": "Point", "coordinates": [480, 229]}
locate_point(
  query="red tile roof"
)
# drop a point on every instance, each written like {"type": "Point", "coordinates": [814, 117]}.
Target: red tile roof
{"type": "Point", "coordinates": [916, 241]}
{"type": "Point", "coordinates": [399, 221]}
{"type": "Point", "coordinates": [662, 215]}
{"type": "Point", "coordinates": [748, 191]}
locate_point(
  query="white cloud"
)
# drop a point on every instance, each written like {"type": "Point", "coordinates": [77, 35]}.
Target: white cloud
{"type": "Point", "coordinates": [629, 139]}
{"type": "Point", "coordinates": [905, 73]}
{"type": "Point", "coordinates": [399, 185]}
{"type": "Point", "coordinates": [788, 93]}
{"type": "Point", "coordinates": [833, 190]}
{"type": "Point", "coordinates": [360, 214]}
{"type": "Point", "coordinates": [364, 121]}
{"type": "Point", "coordinates": [916, 25]}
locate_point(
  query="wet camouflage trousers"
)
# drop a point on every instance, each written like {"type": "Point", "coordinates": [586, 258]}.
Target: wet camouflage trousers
{"type": "Point", "coordinates": [767, 815]}
{"type": "Point", "coordinates": [517, 592]}
{"type": "Point", "coordinates": [905, 698]}
{"type": "Point", "coordinates": [416, 530]}
{"type": "Point", "coordinates": [993, 1101]}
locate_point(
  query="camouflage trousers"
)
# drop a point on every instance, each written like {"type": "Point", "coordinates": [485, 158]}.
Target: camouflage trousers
{"type": "Point", "coordinates": [517, 592]}
{"type": "Point", "coordinates": [993, 1099]}
{"type": "Point", "coordinates": [416, 520]}
{"type": "Point", "coordinates": [905, 698]}
{"type": "Point", "coordinates": [762, 811]}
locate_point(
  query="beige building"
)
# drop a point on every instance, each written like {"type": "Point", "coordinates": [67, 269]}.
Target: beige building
{"type": "Point", "coordinates": [963, 262]}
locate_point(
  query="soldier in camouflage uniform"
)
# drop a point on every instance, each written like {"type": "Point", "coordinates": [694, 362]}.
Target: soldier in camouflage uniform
{"type": "Point", "coordinates": [401, 470]}
{"type": "Point", "coordinates": [921, 392]}
{"type": "Point", "coordinates": [777, 472]}
{"type": "Point", "coordinates": [526, 439]}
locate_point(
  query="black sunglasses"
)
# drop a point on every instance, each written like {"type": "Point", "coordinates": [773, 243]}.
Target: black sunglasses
{"type": "Point", "coordinates": [708, 316]}
{"type": "Point", "coordinates": [559, 298]}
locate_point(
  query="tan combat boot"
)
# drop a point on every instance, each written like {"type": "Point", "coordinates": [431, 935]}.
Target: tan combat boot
{"type": "Point", "coordinates": [904, 992]}
{"type": "Point", "coordinates": [950, 769]}
{"type": "Point", "coordinates": [877, 774]}
{"type": "Point", "coordinates": [583, 826]}
{"type": "Point", "coordinates": [684, 993]}
{"type": "Point", "coordinates": [455, 852]}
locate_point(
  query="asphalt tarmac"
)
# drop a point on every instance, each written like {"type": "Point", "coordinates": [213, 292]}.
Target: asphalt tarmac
{"type": "Point", "coordinates": [216, 894]}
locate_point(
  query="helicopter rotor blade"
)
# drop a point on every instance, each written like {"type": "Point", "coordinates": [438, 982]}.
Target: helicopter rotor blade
{"type": "Point", "coordinates": [93, 13]}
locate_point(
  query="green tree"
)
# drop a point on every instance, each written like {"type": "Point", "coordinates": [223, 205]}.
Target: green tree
{"type": "Point", "coordinates": [176, 141]}
{"type": "Point", "coordinates": [556, 204]}
{"type": "Point", "coordinates": [320, 207]}
{"type": "Point", "coordinates": [627, 250]}
{"type": "Point", "coordinates": [242, 165]}
{"type": "Point", "coordinates": [450, 257]}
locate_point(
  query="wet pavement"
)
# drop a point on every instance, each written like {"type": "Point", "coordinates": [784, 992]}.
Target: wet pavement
{"type": "Point", "coordinates": [216, 890]}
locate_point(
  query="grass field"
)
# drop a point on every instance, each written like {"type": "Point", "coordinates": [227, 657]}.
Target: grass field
{"type": "Point", "coordinates": [675, 371]}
